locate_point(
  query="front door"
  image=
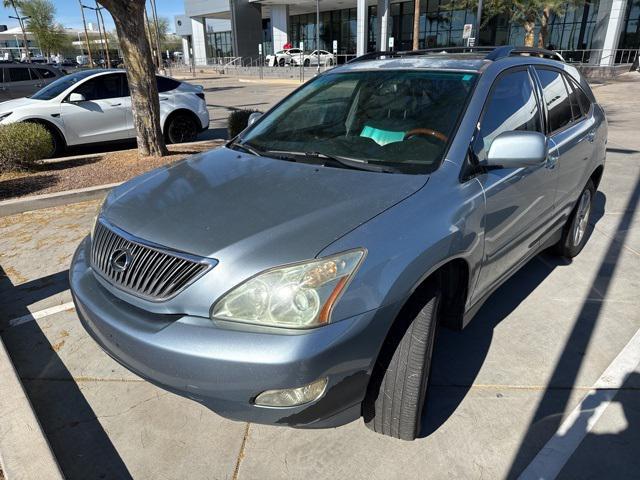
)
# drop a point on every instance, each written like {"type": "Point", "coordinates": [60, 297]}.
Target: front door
{"type": "Point", "coordinates": [519, 201]}
{"type": "Point", "coordinates": [101, 116]}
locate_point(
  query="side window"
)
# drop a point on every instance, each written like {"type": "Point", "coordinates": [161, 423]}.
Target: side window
{"type": "Point", "coordinates": [19, 74]}
{"type": "Point", "coordinates": [166, 84]}
{"type": "Point", "coordinates": [101, 88]}
{"type": "Point", "coordinates": [46, 73]}
{"type": "Point", "coordinates": [512, 105]}
{"type": "Point", "coordinates": [556, 98]}
{"type": "Point", "coordinates": [578, 96]}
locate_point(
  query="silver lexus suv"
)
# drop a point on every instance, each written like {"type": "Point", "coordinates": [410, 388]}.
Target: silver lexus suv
{"type": "Point", "coordinates": [297, 275]}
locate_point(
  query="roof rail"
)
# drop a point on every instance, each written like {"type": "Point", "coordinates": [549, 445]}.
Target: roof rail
{"type": "Point", "coordinates": [492, 53]}
{"type": "Point", "coordinates": [424, 51]}
{"type": "Point", "coordinates": [509, 50]}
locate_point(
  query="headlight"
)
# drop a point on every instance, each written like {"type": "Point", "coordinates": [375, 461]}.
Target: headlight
{"type": "Point", "coordinates": [4, 115]}
{"type": "Point", "coordinates": [293, 296]}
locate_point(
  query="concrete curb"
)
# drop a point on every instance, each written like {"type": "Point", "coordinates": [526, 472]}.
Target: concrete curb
{"type": "Point", "coordinates": [24, 450]}
{"type": "Point", "coordinates": [274, 81]}
{"type": "Point", "coordinates": [37, 202]}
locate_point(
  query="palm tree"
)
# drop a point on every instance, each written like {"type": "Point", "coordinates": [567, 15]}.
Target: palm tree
{"type": "Point", "coordinates": [13, 4]}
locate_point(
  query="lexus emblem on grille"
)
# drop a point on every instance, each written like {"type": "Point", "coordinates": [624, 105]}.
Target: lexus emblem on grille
{"type": "Point", "coordinates": [120, 259]}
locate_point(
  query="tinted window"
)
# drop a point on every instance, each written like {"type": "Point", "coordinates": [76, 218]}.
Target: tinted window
{"type": "Point", "coordinates": [579, 97]}
{"type": "Point", "coordinates": [19, 74]}
{"type": "Point", "coordinates": [556, 99]}
{"type": "Point", "coordinates": [102, 87]}
{"type": "Point", "coordinates": [165, 84]}
{"type": "Point", "coordinates": [45, 73]}
{"type": "Point", "coordinates": [512, 106]}
{"type": "Point", "coordinates": [60, 85]}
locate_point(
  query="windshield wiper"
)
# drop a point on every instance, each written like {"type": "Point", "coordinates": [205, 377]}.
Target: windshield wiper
{"type": "Point", "coordinates": [247, 148]}
{"type": "Point", "coordinates": [341, 161]}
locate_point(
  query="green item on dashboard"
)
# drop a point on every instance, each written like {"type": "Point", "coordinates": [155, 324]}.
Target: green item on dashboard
{"type": "Point", "coordinates": [382, 137]}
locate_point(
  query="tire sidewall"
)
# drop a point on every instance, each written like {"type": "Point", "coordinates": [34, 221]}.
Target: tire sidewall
{"type": "Point", "coordinates": [567, 247]}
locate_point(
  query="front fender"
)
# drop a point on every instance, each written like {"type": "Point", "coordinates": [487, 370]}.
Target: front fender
{"type": "Point", "coordinates": [411, 240]}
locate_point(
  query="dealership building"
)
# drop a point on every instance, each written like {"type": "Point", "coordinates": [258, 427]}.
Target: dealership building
{"type": "Point", "coordinates": [216, 29]}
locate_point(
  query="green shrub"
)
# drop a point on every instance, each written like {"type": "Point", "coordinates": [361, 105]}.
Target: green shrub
{"type": "Point", "coordinates": [238, 121]}
{"type": "Point", "coordinates": [22, 145]}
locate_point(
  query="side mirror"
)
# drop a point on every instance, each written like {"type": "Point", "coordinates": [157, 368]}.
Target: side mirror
{"type": "Point", "coordinates": [253, 118]}
{"type": "Point", "coordinates": [77, 98]}
{"type": "Point", "coordinates": [517, 149]}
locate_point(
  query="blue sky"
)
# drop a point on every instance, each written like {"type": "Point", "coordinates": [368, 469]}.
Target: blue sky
{"type": "Point", "coordinates": [68, 13]}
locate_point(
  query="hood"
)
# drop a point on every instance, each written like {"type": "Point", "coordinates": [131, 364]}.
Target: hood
{"type": "Point", "coordinates": [225, 204]}
{"type": "Point", "coordinates": [10, 105]}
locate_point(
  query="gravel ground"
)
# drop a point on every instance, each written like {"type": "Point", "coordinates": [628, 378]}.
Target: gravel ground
{"type": "Point", "coordinates": [100, 169]}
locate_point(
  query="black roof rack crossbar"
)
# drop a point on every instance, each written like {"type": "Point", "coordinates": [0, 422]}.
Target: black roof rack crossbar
{"type": "Point", "coordinates": [509, 50]}
{"type": "Point", "coordinates": [492, 53]}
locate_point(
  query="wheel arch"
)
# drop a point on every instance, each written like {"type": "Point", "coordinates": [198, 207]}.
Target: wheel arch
{"type": "Point", "coordinates": [47, 123]}
{"type": "Point", "coordinates": [596, 176]}
{"type": "Point", "coordinates": [178, 111]}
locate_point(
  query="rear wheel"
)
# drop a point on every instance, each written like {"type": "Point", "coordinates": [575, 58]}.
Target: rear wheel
{"type": "Point", "coordinates": [307, 63]}
{"type": "Point", "coordinates": [574, 234]}
{"type": "Point", "coordinates": [397, 391]}
{"type": "Point", "coordinates": [281, 62]}
{"type": "Point", "coordinates": [181, 128]}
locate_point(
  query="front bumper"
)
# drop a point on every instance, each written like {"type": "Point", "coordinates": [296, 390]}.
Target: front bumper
{"type": "Point", "coordinates": [224, 367]}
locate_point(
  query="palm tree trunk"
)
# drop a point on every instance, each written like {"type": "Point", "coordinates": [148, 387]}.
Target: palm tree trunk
{"type": "Point", "coordinates": [416, 25]}
{"type": "Point", "coordinates": [543, 36]}
{"type": "Point", "coordinates": [25, 41]}
{"type": "Point", "coordinates": [129, 19]}
{"type": "Point", "coordinates": [528, 33]}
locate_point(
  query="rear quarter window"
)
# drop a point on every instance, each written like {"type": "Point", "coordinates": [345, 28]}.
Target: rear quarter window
{"type": "Point", "coordinates": [166, 84]}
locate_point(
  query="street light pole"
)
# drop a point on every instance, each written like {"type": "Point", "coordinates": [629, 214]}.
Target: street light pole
{"type": "Point", "coordinates": [86, 35]}
{"type": "Point", "coordinates": [154, 16]}
{"type": "Point", "coordinates": [25, 42]}
{"type": "Point", "coordinates": [478, 22]}
{"type": "Point", "coordinates": [317, 34]}
{"type": "Point", "coordinates": [106, 37]}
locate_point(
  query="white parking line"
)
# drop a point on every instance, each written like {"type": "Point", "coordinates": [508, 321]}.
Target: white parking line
{"type": "Point", "coordinates": [41, 314]}
{"type": "Point", "coordinates": [554, 455]}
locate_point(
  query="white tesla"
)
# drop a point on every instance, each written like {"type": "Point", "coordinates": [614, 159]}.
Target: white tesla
{"type": "Point", "coordinates": [94, 106]}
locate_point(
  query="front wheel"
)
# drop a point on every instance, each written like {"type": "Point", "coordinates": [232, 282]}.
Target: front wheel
{"type": "Point", "coordinates": [574, 234]}
{"type": "Point", "coordinates": [181, 128]}
{"type": "Point", "coordinates": [398, 387]}
{"type": "Point", "coordinates": [307, 63]}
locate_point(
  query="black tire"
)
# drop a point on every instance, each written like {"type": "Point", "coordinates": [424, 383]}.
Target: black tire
{"type": "Point", "coordinates": [307, 63]}
{"type": "Point", "coordinates": [181, 128]}
{"type": "Point", "coordinates": [397, 390]}
{"type": "Point", "coordinates": [281, 62]}
{"type": "Point", "coordinates": [575, 232]}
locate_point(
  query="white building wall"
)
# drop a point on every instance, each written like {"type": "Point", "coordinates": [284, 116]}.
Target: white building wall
{"type": "Point", "coordinates": [279, 26]}
{"type": "Point", "coordinates": [198, 41]}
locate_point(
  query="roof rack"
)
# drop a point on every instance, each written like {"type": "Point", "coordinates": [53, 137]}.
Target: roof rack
{"type": "Point", "coordinates": [492, 53]}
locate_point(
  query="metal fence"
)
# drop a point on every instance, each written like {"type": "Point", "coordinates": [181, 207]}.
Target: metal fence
{"type": "Point", "coordinates": [601, 57]}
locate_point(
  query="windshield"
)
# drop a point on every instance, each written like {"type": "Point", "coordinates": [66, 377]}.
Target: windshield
{"type": "Point", "coordinates": [402, 119]}
{"type": "Point", "coordinates": [56, 88]}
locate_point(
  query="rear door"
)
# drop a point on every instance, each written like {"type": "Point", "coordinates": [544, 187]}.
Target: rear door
{"type": "Point", "coordinates": [101, 116]}
{"type": "Point", "coordinates": [571, 132]}
{"type": "Point", "coordinates": [4, 88]}
{"type": "Point", "coordinates": [519, 201]}
{"type": "Point", "coordinates": [23, 81]}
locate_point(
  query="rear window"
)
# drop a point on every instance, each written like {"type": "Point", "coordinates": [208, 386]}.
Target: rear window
{"type": "Point", "coordinates": [46, 73]}
{"type": "Point", "coordinates": [556, 98]}
{"type": "Point", "coordinates": [19, 74]}
{"type": "Point", "coordinates": [165, 84]}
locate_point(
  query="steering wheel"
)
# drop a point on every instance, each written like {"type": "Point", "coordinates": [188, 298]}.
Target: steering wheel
{"type": "Point", "coordinates": [427, 132]}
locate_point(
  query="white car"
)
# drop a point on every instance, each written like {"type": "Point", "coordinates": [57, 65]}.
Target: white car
{"type": "Point", "coordinates": [325, 58]}
{"type": "Point", "coordinates": [94, 106]}
{"type": "Point", "coordinates": [283, 57]}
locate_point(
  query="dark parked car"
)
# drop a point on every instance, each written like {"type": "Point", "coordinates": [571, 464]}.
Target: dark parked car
{"type": "Point", "coordinates": [21, 80]}
{"type": "Point", "coordinates": [297, 275]}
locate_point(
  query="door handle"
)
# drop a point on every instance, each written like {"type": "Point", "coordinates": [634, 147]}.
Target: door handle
{"type": "Point", "coordinates": [115, 104]}
{"type": "Point", "coordinates": [162, 99]}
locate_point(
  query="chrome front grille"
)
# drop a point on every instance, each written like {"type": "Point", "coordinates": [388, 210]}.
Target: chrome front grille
{"type": "Point", "coordinates": [143, 269]}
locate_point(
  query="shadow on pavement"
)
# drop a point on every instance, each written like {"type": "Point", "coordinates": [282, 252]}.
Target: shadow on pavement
{"type": "Point", "coordinates": [82, 447]}
{"type": "Point", "coordinates": [458, 356]}
{"type": "Point", "coordinates": [555, 400]}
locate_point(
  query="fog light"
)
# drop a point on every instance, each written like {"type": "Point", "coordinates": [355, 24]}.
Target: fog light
{"type": "Point", "coordinates": [291, 397]}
